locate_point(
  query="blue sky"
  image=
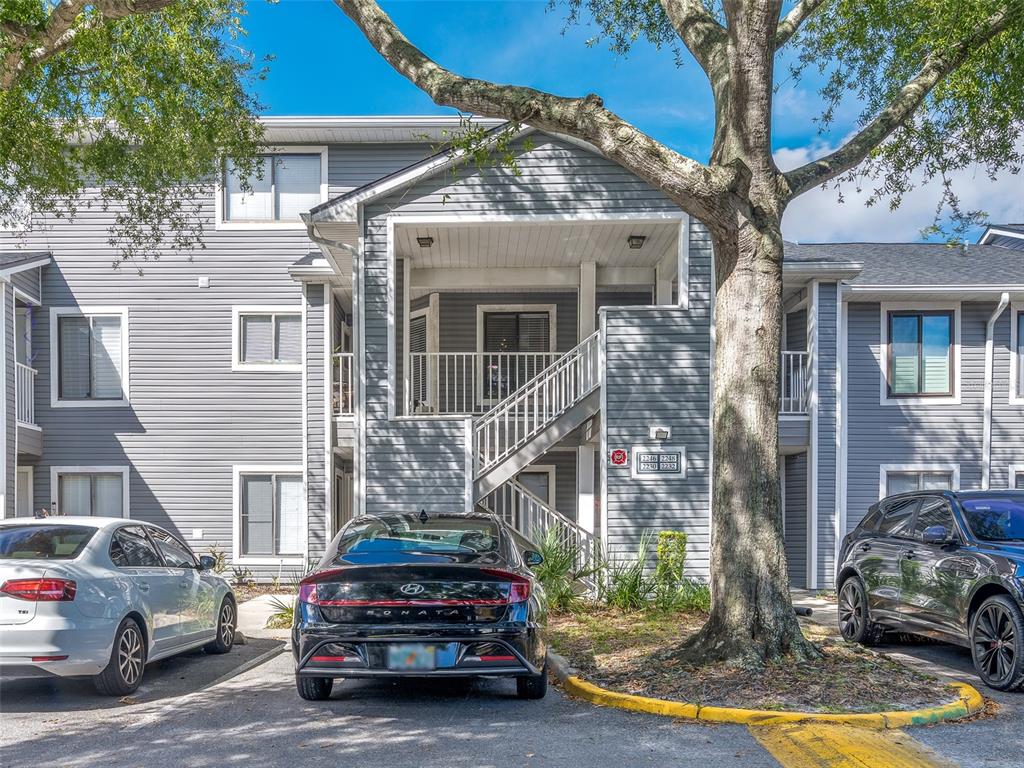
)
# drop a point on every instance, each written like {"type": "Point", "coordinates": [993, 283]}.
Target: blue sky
{"type": "Point", "coordinates": [322, 65]}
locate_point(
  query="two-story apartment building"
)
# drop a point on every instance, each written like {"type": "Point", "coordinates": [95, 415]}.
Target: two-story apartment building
{"type": "Point", "coordinates": [376, 326]}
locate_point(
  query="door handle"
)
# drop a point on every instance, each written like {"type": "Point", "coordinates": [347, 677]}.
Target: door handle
{"type": "Point", "coordinates": [143, 586]}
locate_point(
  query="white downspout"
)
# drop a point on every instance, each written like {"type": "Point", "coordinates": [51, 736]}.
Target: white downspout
{"type": "Point", "coordinates": [986, 446]}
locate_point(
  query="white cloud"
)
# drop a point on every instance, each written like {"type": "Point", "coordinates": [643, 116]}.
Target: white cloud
{"type": "Point", "coordinates": [818, 216]}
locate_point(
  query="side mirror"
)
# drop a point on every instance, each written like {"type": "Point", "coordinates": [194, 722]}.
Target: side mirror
{"type": "Point", "coordinates": [532, 558]}
{"type": "Point", "coordinates": [207, 563]}
{"type": "Point", "coordinates": [936, 534]}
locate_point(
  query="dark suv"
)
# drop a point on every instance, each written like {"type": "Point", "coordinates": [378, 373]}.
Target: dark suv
{"type": "Point", "coordinates": [944, 564]}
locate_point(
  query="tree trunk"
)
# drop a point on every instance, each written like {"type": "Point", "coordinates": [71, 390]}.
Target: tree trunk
{"type": "Point", "coordinates": [752, 619]}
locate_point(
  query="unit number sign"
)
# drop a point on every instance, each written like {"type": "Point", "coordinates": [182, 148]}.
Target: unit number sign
{"type": "Point", "coordinates": [647, 462]}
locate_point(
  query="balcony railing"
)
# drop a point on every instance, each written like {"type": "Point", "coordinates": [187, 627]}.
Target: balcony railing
{"type": "Point", "coordinates": [469, 382]}
{"type": "Point", "coordinates": [794, 379]}
{"type": "Point", "coordinates": [25, 386]}
{"type": "Point", "coordinates": [342, 393]}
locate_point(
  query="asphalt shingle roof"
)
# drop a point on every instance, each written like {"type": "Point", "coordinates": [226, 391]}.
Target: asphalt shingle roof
{"type": "Point", "coordinates": [17, 258]}
{"type": "Point", "coordinates": [917, 263]}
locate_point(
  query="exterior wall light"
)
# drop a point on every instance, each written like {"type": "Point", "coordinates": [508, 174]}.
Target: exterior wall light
{"type": "Point", "coordinates": [636, 242]}
{"type": "Point", "coordinates": [425, 242]}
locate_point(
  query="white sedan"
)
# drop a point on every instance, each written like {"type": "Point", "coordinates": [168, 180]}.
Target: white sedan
{"type": "Point", "coordinates": [103, 597]}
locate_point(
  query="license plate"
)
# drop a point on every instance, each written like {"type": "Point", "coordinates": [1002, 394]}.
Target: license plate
{"type": "Point", "coordinates": [411, 657]}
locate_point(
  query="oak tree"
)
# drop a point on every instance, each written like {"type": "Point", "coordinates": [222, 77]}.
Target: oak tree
{"type": "Point", "coordinates": [940, 84]}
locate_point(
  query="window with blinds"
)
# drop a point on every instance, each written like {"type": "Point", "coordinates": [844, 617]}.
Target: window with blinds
{"type": "Point", "coordinates": [270, 338]}
{"type": "Point", "coordinates": [100, 494]}
{"type": "Point", "coordinates": [89, 357]}
{"type": "Point", "coordinates": [920, 354]}
{"type": "Point", "coordinates": [284, 186]}
{"type": "Point", "coordinates": [418, 364]}
{"type": "Point", "coordinates": [904, 482]}
{"type": "Point", "coordinates": [272, 515]}
{"type": "Point", "coordinates": [517, 332]}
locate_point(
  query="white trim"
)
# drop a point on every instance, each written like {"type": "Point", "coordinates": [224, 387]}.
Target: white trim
{"type": "Point", "coordinates": [122, 469]}
{"type": "Point", "coordinates": [391, 295]}
{"type": "Point", "coordinates": [329, 469]}
{"type": "Point", "coordinates": [542, 469]}
{"type": "Point", "coordinates": [359, 361]}
{"type": "Point", "coordinates": [237, 471]}
{"type": "Point", "coordinates": [842, 417]}
{"type": "Point", "coordinates": [288, 149]}
{"type": "Point", "coordinates": [1014, 470]}
{"type": "Point", "coordinates": [883, 351]}
{"type": "Point", "coordinates": [30, 469]}
{"type": "Point", "coordinates": [430, 328]}
{"type": "Point", "coordinates": [89, 311]}
{"type": "Point", "coordinates": [304, 397]}
{"type": "Point", "coordinates": [1016, 397]}
{"type": "Point", "coordinates": [20, 294]}
{"type": "Point", "coordinates": [3, 391]}
{"type": "Point", "coordinates": [812, 448]}
{"type": "Point", "coordinates": [532, 218]}
{"type": "Point", "coordinates": [263, 309]}
{"type": "Point", "coordinates": [602, 324]}
{"type": "Point", "coordinates": [470, 465]}
{"type": "Point", "coordinates": [7, 274]}
{"type": "Point", "coordinates": [994, 230]}
{"type": "Point", "coordinates": [886, 469]}
{"type": "Point", "coordinates": [955, 290]}
{"type": "Point", "coordinates": [683, 263]}
{"type": "Point", "coordinates": [986, 442]}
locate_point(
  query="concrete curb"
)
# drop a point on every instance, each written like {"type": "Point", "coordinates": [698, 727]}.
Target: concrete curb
{"type": "Point", "coordinates": [968, 702]}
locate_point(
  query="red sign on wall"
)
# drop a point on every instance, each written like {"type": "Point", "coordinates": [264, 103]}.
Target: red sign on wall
{"type": "Point", "coordinates": [619, 457]}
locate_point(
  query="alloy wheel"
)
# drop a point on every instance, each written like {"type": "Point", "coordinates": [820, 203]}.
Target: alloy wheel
{"type": "Point", "coordinates": [995, 645]}
{"type": "Point", "coordinates": [227, 623]}
{"type": "Point", "coordinates": [129, 654]}
{"type": "Point", "coordinates": [851, 610]}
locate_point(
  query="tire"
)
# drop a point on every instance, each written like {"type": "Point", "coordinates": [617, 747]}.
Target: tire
{"type": "Point", "coordinates": [997, 643]}
{"type": "Point", "coordinates": [314, 688]}
{"type": "Point", "coordinates": [533, 686]}
{"type": "Point", "coordinates": [855, 624]}
{"type": "Point", "coordinates": [227, 619]}
{"type": "Point", "coordinates": [123, 673]}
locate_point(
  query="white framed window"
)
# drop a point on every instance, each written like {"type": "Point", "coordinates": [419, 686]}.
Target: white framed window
{"type": "Point", "coordinates": [515, 342]}
{"type": "Point", "coordinates": [267, 338]}
{"type": "Point", "coordinates": [100, 491]}
{"type": "Point", "coordinates": [290, 181]}
{"type": "Point", "coordinates": [903, 478]}
{"type": "Point", "coordinates": [269, 514]}
{"type": "Point", "coordinates": [89, 365]}
{"type": "Point", "coordinates": [1016, 354]}
{"type": "Point", "coordinates": [1017, 476]}
{"type": "Point", "coordinates": [539, 479]}
{"type": "Point", "coordinates": [920, 353]}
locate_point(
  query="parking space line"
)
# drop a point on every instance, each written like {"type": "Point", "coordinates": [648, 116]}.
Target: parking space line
{"type": "Point", "coordinates": [816, 745]}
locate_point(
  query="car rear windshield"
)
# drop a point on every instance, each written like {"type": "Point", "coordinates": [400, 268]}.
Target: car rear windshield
{"type": "Point", "coordinates": [43, 542]}
{"type": "Point", "coordinates": [410, 533]}
{"type": "Point", "coordinates": [995, 518]}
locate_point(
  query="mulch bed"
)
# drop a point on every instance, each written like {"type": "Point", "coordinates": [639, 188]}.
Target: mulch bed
{"type": "Point", "coordinates": [249, 591]}
{"type": "Point", "coordinates": [634, 652]}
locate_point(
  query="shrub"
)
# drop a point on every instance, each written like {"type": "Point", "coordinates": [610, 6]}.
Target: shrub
{"type": "Point", "coordinates": [241, 577]}
{"type": "Point", "coordinates": [626, 583]}
{"type": "Point", "coordinates": [671, 559]}
{"type": "Point", "coordinates": [283, 615]}
{"type": "Point", "coordinates": [564, 568]}
{"type": "Point", "coordinates": [220, 559]}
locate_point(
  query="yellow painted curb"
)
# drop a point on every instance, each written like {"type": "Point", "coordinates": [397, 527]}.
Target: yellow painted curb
{"type": "Point", "coordinates": [969, 702]}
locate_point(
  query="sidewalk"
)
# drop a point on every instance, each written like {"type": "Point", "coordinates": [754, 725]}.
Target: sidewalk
{"type": "Point", "coordinates": [822, 611]}
{"type": "Point", "coordinates": [253, 615]}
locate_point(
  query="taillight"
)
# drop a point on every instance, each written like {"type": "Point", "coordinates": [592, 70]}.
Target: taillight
{"type": "Point", "coordinates": [519, 586]}
{"type": "Point", "coordinates": [40, 590]}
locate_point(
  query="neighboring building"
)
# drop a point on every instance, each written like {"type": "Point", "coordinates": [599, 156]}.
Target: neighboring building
{"type": "Point", "coordinates": [376, 328]}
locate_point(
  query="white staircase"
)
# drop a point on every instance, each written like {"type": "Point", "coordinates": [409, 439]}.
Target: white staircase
{"type": "Point", "coordinates": [522, 426]}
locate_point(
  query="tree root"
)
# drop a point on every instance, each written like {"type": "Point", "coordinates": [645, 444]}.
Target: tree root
{"type": "Point", "coordinates": [721, 645]}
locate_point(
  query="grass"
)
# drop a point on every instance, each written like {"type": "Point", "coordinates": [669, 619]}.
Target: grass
{"type": "Point", "coordinates": [633, 652]}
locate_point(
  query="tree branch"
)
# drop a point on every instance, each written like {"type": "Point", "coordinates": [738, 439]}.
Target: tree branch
{"type": "Point", "coordinates": [903, 105]}
{"type": "Point", "coordinates": [690, 184]}
{"type": "Point", "coordinates": [703, 36]}
{"type": "Point", "coordinates": [797, 15]}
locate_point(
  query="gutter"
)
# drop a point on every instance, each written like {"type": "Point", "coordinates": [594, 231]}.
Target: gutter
{"type": "Point", "coordinates": [986, 448]}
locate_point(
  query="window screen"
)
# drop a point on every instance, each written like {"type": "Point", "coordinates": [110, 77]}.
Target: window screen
{"type": "Point", "coordinates": [89, 353]}
{"type": "Point", "coordinates": [98, 494]}
{"type": "Point", "coordinates": [273, 515]}
{"type": "Point", "coordinates": [270, 338]}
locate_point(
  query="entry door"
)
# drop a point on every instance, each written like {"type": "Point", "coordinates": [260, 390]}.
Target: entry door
{"type": "Point", "coordinates": [23, 498]}
{"type": "Point", "coordinates": [538, 483]}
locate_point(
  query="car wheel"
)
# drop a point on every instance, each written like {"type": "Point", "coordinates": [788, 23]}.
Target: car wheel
{"type": "Point", "coordinates": [855, 623]}
{"type": "Point", "coordinates": [314, 688]}
{"type": "Point", "coordinates": [997, 643]}
{"type": "Point", "coordinates": [225, 628]}
{"type": "Point", "coordinates": [123, 673]}
{"type": "Point", "coordinates": [533, 686]}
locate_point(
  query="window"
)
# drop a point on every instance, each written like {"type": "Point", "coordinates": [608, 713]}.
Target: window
{"type": "Point", "coordinates": [934, 511]}
{"type": "Point", "coordinates": [99, 493]}
{"type": "Point", "coordinates": [898, 518]}
{"type": "Point", "coordinates": [269, 338]}
{"type": "Point", "coordinates": [91, 347]}
{"type": "Point", "coordinates": [517, 342]}
{"type": "Point", "coordinates": [284, 186]}
{"type": "Point", "coordinates": [920, 353]}
{"type": "Point", "coordinates": [131, 548]}
{"type": "Point", "coordinates": [272, 518]}
{"type": "Point", "coordinates": [1016, 354]}
{"type": "Point", "coordinates": [903, 482]}
{"type": "Point", "coordinates": [174, 553]}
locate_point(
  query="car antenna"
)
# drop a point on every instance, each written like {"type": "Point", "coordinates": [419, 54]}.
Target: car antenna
{"type": "Point", "coordinates": [423, 516]}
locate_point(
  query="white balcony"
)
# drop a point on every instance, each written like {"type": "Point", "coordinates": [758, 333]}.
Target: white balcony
{"type": "Point", "coordinates": [469, 382]}
{"type": "Point", "coordinates": [794, 380]}
{"type": "Point", "coordinates": [25, 386]}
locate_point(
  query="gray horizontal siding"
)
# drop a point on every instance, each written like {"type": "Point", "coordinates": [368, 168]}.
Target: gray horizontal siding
{"type": "Point", "coordinates": [28, 282]}
{"type": "Point", "coordinates": [10, 402]}
{"type": "Point", "coordinates": [826, 436]}
{"type": "Point", "coordinates": [795, 467]}
{"type": "Point", "coordinates": [796, 331]}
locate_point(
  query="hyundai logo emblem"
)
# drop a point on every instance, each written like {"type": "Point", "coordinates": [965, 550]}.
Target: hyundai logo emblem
{"type": "Point", "coordinates": [411, 589]}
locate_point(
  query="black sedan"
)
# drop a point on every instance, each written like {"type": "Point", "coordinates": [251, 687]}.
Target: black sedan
{"type": "Point", "coordinates": [421, 595]}
{"type": "Point", "coordinates": [943, 564]}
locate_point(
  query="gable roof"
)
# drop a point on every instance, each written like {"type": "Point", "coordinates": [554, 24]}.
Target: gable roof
{"type": "Point", "coordinates": [13, 262]}
{"type": "Point", "coordinates": [916, 264]}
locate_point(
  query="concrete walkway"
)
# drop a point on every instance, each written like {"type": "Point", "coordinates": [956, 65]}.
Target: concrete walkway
{"type": "Point", "coordinates": [253, 615]}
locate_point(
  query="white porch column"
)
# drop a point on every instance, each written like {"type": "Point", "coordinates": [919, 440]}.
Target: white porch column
{"type": "Point", "coordinates": [587, 299]}
{"type": "Point", "coordinates": [585, 516]}
{"type": "Point", "coordinates": [667, 271]}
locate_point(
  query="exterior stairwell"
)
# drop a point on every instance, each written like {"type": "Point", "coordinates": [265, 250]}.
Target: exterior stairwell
{"type": "Point", "coordinates": [522, 426]}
